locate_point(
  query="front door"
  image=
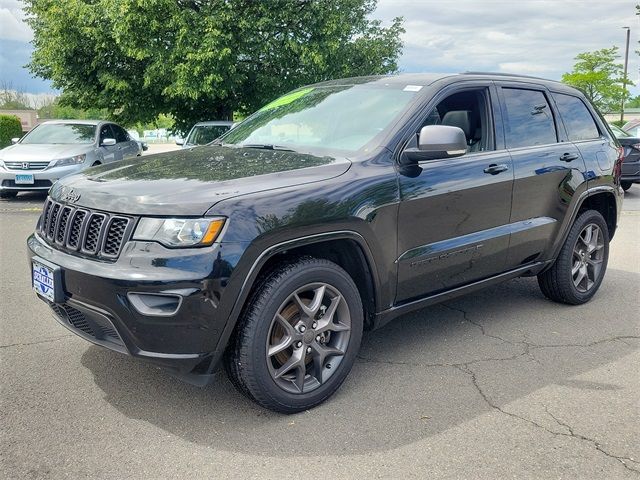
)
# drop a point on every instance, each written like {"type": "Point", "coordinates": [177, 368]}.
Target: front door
{"type": "Point", "coordinates": [453, 214]}
{"type": "Point", "coordinates": [110, 153]}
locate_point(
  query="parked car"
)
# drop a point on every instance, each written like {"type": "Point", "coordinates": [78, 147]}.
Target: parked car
{"type": "Point", "coordinates": [204, 132]}
{"type": "Point", "coordinates": [336, 208]}
{"type": "Point", "coordinates": [631, 162]}
{"type": "Point", "coordinates": [136, 136]}
{"type": "Point", "coordinates": [632, 127]}
{"type": "Point", "coordinates": [57, 148]}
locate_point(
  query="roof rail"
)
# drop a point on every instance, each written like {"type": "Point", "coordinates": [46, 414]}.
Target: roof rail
{"type": "Point", "coordinates": [503, 74]}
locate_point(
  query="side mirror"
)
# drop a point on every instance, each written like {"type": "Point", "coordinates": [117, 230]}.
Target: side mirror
{"type": "Point", "coordinates": [436, 141]}
{"type": "Point", "coordinates": [179, 141]}
{"type": "Point", "coordinates": [15, 140]}
{"type": "Point", "coordinates": [108, 142]}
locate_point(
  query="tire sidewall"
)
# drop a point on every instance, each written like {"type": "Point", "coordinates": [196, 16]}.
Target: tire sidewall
{"type": "Point", "coordinates": [589, 217]}
{"type": "Point", "coordinates": [304, 274]}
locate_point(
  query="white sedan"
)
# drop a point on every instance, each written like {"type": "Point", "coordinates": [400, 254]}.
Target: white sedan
{"type": "Point", "coordinates": [57, 148]}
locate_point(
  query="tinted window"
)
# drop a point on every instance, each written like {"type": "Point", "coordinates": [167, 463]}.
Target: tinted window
{"type": "Point", "coordinates": [121, 135]}
{"type": "Point", "coordinates": [576, 117]}
{"type": "Point", "coordinates": [528, 119]}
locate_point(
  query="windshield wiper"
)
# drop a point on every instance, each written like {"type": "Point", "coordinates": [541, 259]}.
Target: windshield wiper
{"type": "Point", "coordinates": [265, 146]}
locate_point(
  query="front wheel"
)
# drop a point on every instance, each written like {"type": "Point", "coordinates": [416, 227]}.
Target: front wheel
{"type": "Point", "coordinates": [298, 337]}
{"type": "Point", "coordinates": [579, 269]}
{"type": "Point", "coordinates": [626, 185]}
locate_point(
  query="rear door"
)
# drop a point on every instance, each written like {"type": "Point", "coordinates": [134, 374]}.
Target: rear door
{"type": "Point", "coordinates": [548, 170]}
{"type": "Point", "coordinates": [598, 151]}
{"type": "Point", "coordinates": [453, 214]}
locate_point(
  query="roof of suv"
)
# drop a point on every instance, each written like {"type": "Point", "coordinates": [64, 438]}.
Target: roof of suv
{"type": "Point", "coordinates": [423, 79]}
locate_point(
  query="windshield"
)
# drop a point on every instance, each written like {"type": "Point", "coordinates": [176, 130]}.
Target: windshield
{"type": "Point", "coordinates": [346, 118]}
{"type": "Point", "coordinates": [61, 133]}
{"type": "Point", "coordinates": [619, 133]}
{"type": "Point", "coordinates": [203, 134]}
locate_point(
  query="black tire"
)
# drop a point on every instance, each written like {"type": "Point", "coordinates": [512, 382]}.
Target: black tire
{"type": "Point", "coordinates": [8, 193]}
{"type": "Point", "coordinates": [248, 362]}
{"type": "Point", "coordinates": [95, 164]}
{"type": "Point", "coordinates": [557, 283]}
{"type": "Point", "coordinates": [626, 185]}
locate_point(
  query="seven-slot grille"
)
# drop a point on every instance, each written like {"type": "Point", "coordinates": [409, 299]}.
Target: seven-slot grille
{"type": "Point", "coordinates": [85, 231]}
{"type": "Point", "coordinates": [26, 165]}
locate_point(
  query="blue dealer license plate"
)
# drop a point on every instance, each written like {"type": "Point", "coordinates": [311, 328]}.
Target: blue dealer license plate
{"type": "Point", "coordinates": [43, 281]}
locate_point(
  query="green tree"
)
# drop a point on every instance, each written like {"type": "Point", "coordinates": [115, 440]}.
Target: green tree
{"type": "Point", "coordinates": [599, 75]}
{"type": "Point", "coordinates": [197, 59]}
{"type": "Point", "coordinates": [10, 127]}
{"type": "Point", "coordinates": [60, 108]}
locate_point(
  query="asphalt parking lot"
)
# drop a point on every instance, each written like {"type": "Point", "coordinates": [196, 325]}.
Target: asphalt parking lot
{"type": "Point", "coordinates": [498, 384]}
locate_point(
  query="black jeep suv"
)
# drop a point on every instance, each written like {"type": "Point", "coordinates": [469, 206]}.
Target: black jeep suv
{"type": "Point", "coordinates": [331, 210]}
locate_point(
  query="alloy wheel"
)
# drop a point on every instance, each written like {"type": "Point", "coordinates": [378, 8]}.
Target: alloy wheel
{"type": "Point", "coordinates": [308, 338]}
{"type": "Point", "coordinates": [588, 255]}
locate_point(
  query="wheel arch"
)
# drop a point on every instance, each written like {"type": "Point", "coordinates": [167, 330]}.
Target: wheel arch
{"type": "Point", "coordinates": [348, 249]}
{"type": "Point", "coordinates": [602, 199]}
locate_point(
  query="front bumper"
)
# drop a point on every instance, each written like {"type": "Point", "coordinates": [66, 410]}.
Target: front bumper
{"type": "Point", "coordinates": [96, 304]}
{"type": "Point", "coordinates": [42, 179]}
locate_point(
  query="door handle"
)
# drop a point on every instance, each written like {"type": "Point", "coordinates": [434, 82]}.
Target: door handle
{"type": "Point", "coordinates": [495, 169]}
{"type": "Point", "coordinates": [567, 157]}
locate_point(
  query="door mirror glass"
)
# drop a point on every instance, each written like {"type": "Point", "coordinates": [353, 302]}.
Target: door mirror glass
{"type": "Point", "coordinates": [107, 142]}
{"type": "Point", "coordinates": [436, 141]}
{"type": "Point", "coordinates": [15, 140]}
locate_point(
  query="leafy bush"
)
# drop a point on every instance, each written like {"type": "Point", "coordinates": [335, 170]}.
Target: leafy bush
{"type": "Point", "coordinates": [10, 127]}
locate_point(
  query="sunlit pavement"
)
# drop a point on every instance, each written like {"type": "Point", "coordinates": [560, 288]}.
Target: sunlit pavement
{"type": "Point", "coordinates": [498, 384]}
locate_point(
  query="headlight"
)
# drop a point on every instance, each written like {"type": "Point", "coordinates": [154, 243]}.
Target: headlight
{"type": "Point", "coordinates": [179, 232]}
{"type": "Point", "coordinates": [70, 161]}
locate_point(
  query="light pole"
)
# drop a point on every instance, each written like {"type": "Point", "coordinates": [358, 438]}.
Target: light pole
{"type": "Point", "coordinates": [624, 76]}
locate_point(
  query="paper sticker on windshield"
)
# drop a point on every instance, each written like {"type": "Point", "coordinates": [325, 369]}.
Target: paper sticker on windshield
{"type": "Point", "coordinates": [412, 88]}
{"type": "Point", "coordinates": [287, 99]}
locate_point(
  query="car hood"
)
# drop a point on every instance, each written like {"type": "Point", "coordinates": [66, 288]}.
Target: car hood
{"type": "Point", "coordinates": [189, 182]}
{"type": "Point", "coordinates": [41, 152]}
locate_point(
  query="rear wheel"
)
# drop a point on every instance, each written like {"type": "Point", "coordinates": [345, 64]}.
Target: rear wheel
{"type": "Point", "coordinates": [298, 337]}
{"type": "Point", "coordinates": [579, 269]}
{"type": "Point", "coordinates": [626, 185]}
{"type": "Point", "coordinates": [8, 193]}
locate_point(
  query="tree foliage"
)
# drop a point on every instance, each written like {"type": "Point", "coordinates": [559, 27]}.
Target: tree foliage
{"type": "Point", "coordinates": [202, 59]}
{"type": "Point", "coordinates": [10, 127]}
{"type": "Point", "coordinates": [599, 75]}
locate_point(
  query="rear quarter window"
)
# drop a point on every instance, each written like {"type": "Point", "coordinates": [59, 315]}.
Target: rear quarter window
{"type": "Point", "coordinates": [528, 118]}
{"type": "Point", "coordinates": [576, 117]}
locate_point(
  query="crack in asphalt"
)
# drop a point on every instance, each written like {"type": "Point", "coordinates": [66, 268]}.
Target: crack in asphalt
{"type": "Point", "coordinates": [526, 347]}
{"type": "Point", "coordinates": [570, 434]}
{"type": "Point", "coordinates": [598, 446]}
{"type": "Point", "coordinates": [38, 342]}
{"type": "Point", "coordinates": [528, 344]}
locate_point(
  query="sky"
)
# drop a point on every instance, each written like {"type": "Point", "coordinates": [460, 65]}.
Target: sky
{"type": "Point", "coordinates": [532, 37]}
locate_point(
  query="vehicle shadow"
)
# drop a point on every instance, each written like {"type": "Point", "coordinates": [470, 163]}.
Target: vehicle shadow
{"type": "Point", "coordinates": [413, 378]}
{"type": "Point", "coordinates": [24, 197]}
